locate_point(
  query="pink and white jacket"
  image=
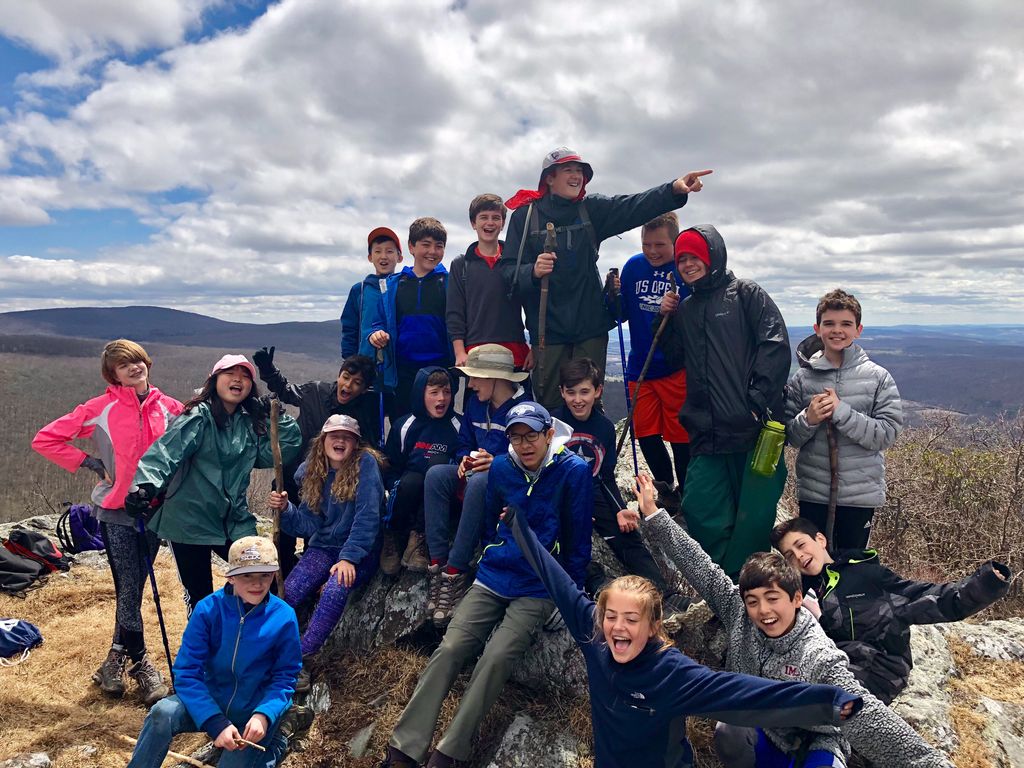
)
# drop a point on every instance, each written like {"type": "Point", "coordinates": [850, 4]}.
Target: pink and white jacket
{"type": "Point", "coordinates": [122, 429]}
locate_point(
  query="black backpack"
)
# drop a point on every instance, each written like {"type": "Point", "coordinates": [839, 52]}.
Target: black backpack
{"type": "Point", "coordinates": [36, 546]}
{"type": "Point", "coordinates": [18, 573]}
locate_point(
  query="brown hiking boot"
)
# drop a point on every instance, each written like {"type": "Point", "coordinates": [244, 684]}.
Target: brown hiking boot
{"type": "Point", "coordinates": [433, 587]}
{"type": "Point", "coordinates": [450, 591]}
{"type": "Point", "coordinates": [439, 759]}
{"type": "Point", "coordinates": [415, 557]}
{"type": "Point", "coordinates": [305, 679]}
{"type": "Point", "coordinates": [397, 759]}
{"type": "Point", "coordinates": [390, 563]}
{"type": "Point", "coordinates": [669, 498]}
{"type": "Point", "coordinates": [151, 684]}
{"type": "Point", "coordinates": [110, 675]}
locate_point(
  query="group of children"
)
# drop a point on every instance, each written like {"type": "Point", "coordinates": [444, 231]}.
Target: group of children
{"type": "Point", "coordinates": [497, 506]}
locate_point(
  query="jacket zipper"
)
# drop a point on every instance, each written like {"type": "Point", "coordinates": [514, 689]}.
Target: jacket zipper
{"type": "Point", "coordinates": [850, 610]}
{"type": "Point", "coordinates": [234, 655]}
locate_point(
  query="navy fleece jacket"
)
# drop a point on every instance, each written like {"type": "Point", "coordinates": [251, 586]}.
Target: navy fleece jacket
{"type": "Point", "coordinates": [418, 441]}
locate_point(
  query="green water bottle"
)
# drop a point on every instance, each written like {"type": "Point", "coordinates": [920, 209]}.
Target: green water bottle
{"type": "Point", "coordinates": [768, 450]}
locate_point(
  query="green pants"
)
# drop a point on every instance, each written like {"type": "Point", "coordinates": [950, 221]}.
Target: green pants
{"type": "Point", "coordinates": [545, 373]}
{"type": "Point", "coordinates": [479, 612]}
{"type": "Point", "coordinates": [730, 510]}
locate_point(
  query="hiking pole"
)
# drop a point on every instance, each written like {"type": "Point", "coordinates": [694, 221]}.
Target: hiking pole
{"type": "Point", "coordinates": [625, 383]}
{"type": "Point", "coordinates": [175, 755]}
{"type": "Point", "coordinates": [140, 528]}
{"type": "Point", "coordinates": [380, 391]}
{"type": "Point", "coordinates": [550, 242]}
{"type": "Point", "coordinates": [643, 371]}
{"type": "Point", "coordinates": [275, 448]}
{"type": "Point", "coordinates": [833, 488]}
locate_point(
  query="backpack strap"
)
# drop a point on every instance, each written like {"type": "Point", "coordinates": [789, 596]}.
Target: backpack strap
{"type": "Point", "coordinates": [585, 218]}
{"type": "Point", "coordinates": [522, 244]}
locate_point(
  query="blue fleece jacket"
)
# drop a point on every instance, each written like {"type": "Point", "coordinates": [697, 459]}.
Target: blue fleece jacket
{"type": "Point", "coordinates": [643, 287]}
{"type": "Point", "coordinates": [557, 501]}
{"type": "Point", "coordinates": [358, 315]}
{"type": "Point", "coordinates": [418, 441]}
{"type": "Point", "coordinates": [416, 336]}
{"type": "Point", "coordinates": [236, 660]}
{"type": "Point", "coordinates": [639, 708]}
{"type": "Point", "coordinates": [484, 427]}
{"type": "Point", "coordinates": [348, 527]}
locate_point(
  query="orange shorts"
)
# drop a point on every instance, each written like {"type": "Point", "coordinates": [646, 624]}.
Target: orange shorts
{"type": "Point", "coordinates": [657, 410]}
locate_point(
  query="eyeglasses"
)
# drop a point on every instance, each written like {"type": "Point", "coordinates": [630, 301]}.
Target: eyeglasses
{"type": "Point", "coordinates": [530, 437]}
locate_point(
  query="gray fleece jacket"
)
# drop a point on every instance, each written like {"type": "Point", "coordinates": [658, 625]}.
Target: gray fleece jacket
{"type": "Point", "coordinates": [867, 420]}
{"type": "Point", "coordinates": [804, 653]}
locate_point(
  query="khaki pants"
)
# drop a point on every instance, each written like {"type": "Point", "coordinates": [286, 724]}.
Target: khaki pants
{"type": "Point", "coordinates": [545, 376]}
{"type": "Point", "coordinates": [479, 612]}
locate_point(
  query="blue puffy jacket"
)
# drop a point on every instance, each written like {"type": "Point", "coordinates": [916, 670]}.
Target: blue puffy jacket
{"type": "Point", "coordinates": [349, 527]}
{"type": "Point", "coordinates": [237, 660]}
{"type": "Point", "coordinates": [558, 505]}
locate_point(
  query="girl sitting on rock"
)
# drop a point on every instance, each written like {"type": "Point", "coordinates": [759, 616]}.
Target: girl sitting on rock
{"type": "Point", "coordinates": [339, 518]}
{"type": "Point", "coordinates": [642, 687]}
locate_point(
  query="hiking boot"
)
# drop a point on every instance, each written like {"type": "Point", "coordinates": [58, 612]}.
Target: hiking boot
{"type": "Point", "coordinates": [669, 498]}
{"type": "Point", "coordinates": [151, 684]}
{"type": "Point", "coordinates": [451, 588]}
{"type": "Point", "coordinates": [439, 759]}
{"type": "Point", "coordinates": [390, 562]}
{"type": "Point", "coordinates": [305, 679]}
{"type": "Point", "coordinates": [296, 721]}
{"type": "Point", "coordinates": [110, 675]}
{"type": "Point", "coordinates": [397, 759]}
{"type": "Point", "coordinates": [415, 557]}
{"type": "Point", "coordinates": [433, 587]}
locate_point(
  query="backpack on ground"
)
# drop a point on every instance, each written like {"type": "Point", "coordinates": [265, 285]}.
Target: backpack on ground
{"type": "Point", "coordinates": [78, 530]}
{"type": "Point", "coordinates": [18, 573]}
{"type": "Point", "coordinates": [38, 547]}
{"type": "Point", "coordinates": [17, 639]}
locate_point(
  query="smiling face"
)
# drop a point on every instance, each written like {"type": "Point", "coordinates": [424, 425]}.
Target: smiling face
{"type": "Point", "coordinates": [350, 386]}
{"type": "Point", "coordinates": [580, 398]}
{"type": "Point", "coordinates": [233, 386]}
{"type": "Point", "coordinates": [487, 226]}
{"type": "Point", "coordinates": [658, 246]}
{"type": "Point", "coordinates": [566, 180]}
{"type": "Point", "coordinates": [837, 330]}
{"type": "Point", "coordinates": [338, 447]}
{"type": "Point", "coordinates": [691, 268]}
{"type": "Point", "coordinates": [436, 400]}
{"type": "Point", "coordinates": [808, 555]}
{"type": "Point", "coordinates": [625, 625]}
{"type": "Point", "coordinates": [426, 254]}
{"type": "Point", "coordinates": [134, 374]}
{"type": "Point", "coordinates": [252, 587]}
{"type": "Point", "coordinates": [771, 609]}
{"type": "Point", "coordinates": [384, 255]}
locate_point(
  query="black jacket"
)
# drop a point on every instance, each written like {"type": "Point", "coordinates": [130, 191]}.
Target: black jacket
{"type": "Point", "coordinates": [479, 309]}
{"type": "Point", "coordinates": [733, 341]}
{"type": "Point", "coordinates": [576, 309]}
{"type": "Point", "coordinates": [418, 441]}
{"type": "Point", "coordinates": [867, 610]}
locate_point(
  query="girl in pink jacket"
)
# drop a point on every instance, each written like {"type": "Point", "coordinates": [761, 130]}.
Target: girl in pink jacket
{"type": "Point", "coordinates": [122, 422]}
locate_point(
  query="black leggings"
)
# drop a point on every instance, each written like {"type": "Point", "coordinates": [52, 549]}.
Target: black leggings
{"type": "Point", "coordinates": [627, 547]}
{"type": "Point", "coordinates": [129, 570]}
{"type": "Point", "coordinates": [853, 524]}
{"type": "Point", "coordinates": [407, 505]}
{"type": "Point", "coordinates": [193, 564]}
{"type": "Point", "coordinates": [653, 449]}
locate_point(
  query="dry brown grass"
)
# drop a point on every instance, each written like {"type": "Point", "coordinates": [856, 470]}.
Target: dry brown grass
{"type": "Point", "coordinates": [49, 703]}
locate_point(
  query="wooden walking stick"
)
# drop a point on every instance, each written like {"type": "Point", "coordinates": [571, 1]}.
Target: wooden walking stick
{"type": "Point", "coordinates": [275, 447]}
{"type": "Point", "coordinates": [550, 243]}
{"type": "Point", "coordinates": [833, 488]}
{"type": "Point", "coordinates": [175, 755]}
{"type": "Point", "coordinates": [643, 372]}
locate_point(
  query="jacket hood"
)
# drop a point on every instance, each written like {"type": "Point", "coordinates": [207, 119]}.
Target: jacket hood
{"type": "Point", "coordinates": [563, 432]}
{"type": "Point", "coordinates": [847, 556]}
{"type": "Point", "coordinates": [438, 270]}
{"type": "Point", "coordinates": [419, 386]}
{"type": "Point", "coordinates": [718, 273]}
{"type": "Point", "coordinates": [811, 354]}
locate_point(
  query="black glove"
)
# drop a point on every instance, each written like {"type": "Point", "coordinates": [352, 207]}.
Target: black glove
{"type": "Point", "coordinates": [264, 359]}
{"type": "Point", "coordinates": [138, 502]}
{"type": "Point", "coordinates": [609, 284]}
{"type": "Point", "coordinates": [96, 465]}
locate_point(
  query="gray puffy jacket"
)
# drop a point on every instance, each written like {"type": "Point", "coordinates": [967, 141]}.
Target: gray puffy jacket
{"type": "Point", "coordinates": [867, 420]}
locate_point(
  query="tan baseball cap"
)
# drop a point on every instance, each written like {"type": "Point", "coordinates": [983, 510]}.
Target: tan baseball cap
{"type": "Point", "coordinates": [339, 422]}
{"type": "Point", "coordinates": [252, 554]}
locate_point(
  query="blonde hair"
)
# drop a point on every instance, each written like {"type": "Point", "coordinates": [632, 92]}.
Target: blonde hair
{"type": "Point", "coordinates": [121, 351]}
{"type": "Point", "coordinates": [345, 479]}
{"type": "Point", "coordinates": [649, 599]}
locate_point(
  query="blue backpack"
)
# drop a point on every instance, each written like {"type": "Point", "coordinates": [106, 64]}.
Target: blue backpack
{"type": "Point", "coordinates": [78, 530]}
{"type": "Point", "coordinates": [17, 638]}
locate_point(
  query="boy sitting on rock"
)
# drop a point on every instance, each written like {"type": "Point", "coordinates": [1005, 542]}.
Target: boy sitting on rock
{"type": "Point", "coordinates": [770, 636]}
{"type": "Point", "coordinates": [867, 609]}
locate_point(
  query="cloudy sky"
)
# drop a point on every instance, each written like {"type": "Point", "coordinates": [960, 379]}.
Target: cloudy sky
{"type": "Point", "coordinates": [230, 157]}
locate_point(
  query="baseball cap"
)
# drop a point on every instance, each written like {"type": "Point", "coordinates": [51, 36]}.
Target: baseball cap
{"type": "Point", "coordinates": [564, 155]}
{"type": "Point", "coordinates": [341, 423]}
{"type": "Point", "coordinates": [230, 361]}
{"type": "Point", "coordinates": [533, 415]}
{"type": "Point", "coordinates": [383, 232]}
{"type": "Point", "coordinates": [252, 554]}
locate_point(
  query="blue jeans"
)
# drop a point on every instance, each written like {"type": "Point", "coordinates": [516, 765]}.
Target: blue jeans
{"type": "Point", "coordinates": [439, 490]}
{"type": "Point", "coordinates": [168, 717]}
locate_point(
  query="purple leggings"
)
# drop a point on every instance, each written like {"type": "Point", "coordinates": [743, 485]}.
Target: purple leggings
{"type": "Point", "coordinates": [312, 571]}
